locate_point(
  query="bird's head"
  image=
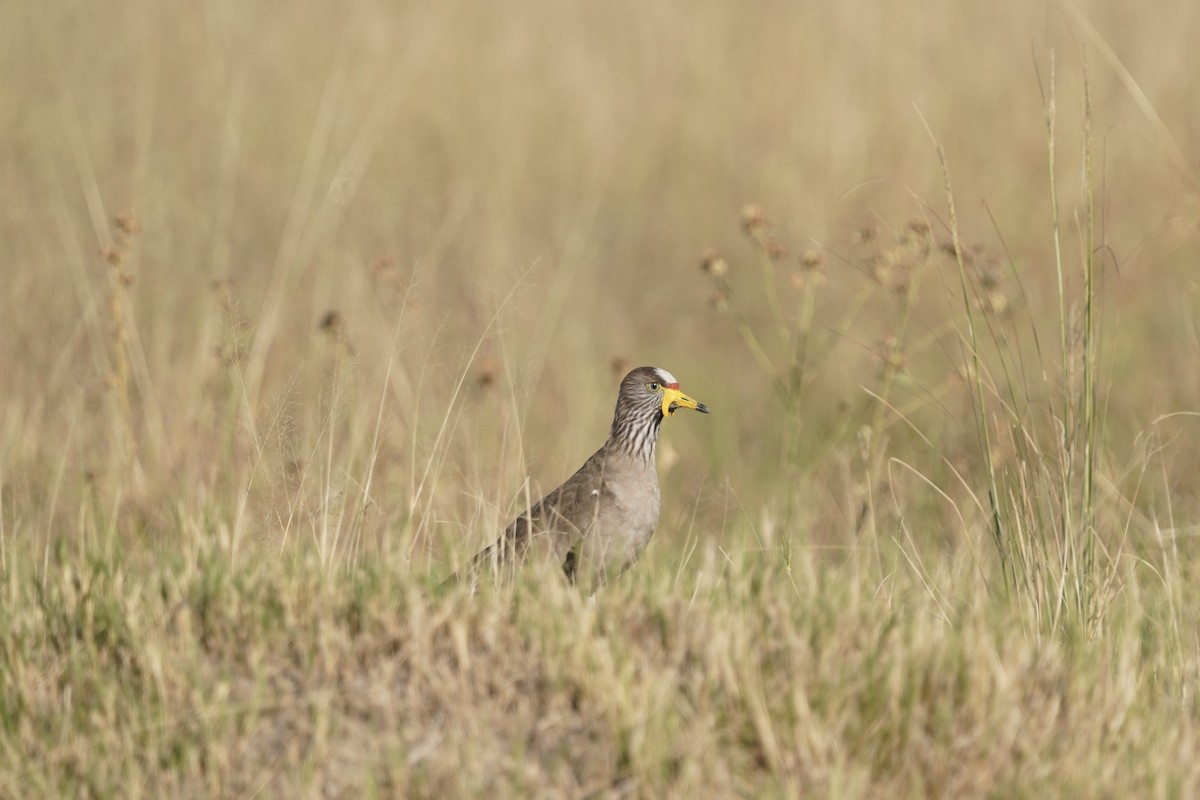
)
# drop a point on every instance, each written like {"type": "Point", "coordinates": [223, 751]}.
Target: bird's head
{"type": "Point", "coordinates": [650, 392]}
{"type": "Point", "coordinates": [647, 395]}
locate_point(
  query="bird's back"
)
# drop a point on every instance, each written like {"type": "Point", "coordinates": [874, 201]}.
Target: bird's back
{"type": "Point", "coordinates": [595, 525]}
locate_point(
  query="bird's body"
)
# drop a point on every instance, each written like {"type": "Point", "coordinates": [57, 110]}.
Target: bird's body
{"type": "Point", "coordinates": [598, 522]}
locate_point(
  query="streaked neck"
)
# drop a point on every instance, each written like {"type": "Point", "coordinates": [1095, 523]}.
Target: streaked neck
{"type": "Point", "coordinates": [635, 437]}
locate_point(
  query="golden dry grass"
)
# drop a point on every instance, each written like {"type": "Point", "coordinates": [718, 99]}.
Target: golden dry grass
{"type": "Point", "coordinates": [302, 301]}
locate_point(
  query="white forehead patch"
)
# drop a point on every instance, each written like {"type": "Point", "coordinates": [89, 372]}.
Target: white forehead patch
{"type": "Point", "coordinates": [665, 376]}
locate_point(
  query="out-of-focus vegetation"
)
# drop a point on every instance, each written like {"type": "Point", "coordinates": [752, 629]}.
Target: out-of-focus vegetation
{"type": "Point", "coordinates": [302, 301]}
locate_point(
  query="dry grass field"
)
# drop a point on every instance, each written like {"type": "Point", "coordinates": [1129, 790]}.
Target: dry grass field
{"type": "Point", "coordinates": [302, 301]}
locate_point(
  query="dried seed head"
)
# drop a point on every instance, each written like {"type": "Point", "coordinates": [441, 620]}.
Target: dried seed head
{"type": "Point", "coordinates": [987, 267]}
{"type": "Point", "coordinates": [915, 245]}
{"type": "Point", "coordinates": [487, 372]}
{"type": "Point", "coordinates": [331, 323]}
{"type": "Point", "coordinates": [919, 226]}
{"type": "Point", "coordinates": [383, 269]}
{"type": "Point", "coordinates": [812, 260]}
{"type": "Point", "coordinates": [946, 245]}
{"type": "Point", "coordinates": [127, 223]}
{"type": "Point", "coordinates": [812, 270]}
{"type": "Point", "coordinates": [774, 249]}
{"type": "Point", "coordinates": [881, 271]}
{"type": "Point", "coordinates": [866, 234]}
{"type": "Point", "coordinates": [996, 303]}
{"type": "Point", "coordinates": [754, 219]}
{"type": "Point", "coordinates": [712, 263]}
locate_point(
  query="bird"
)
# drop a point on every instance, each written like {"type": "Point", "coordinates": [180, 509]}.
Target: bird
{"type": "Point", "coordinates": [601, 519]}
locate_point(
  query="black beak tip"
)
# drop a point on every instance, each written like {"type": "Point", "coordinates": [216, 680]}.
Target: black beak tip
{"type": "Point", "coordinates": [703, 409]}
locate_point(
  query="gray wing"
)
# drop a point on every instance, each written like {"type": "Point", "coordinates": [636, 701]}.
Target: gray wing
{"type": "Point", "coordinates": [553, 525]}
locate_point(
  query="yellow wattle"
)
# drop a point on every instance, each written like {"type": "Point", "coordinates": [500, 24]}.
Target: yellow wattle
{"type": "Point", "coordinates": [669, 397]}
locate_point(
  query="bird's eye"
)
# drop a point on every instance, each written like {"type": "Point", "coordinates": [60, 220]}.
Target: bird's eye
{"type": "Point", "coordinates": [653, 386]}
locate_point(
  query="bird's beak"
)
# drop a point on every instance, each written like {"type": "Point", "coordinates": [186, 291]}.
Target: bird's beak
{"type": "Point", "coordinates": [673, 399]}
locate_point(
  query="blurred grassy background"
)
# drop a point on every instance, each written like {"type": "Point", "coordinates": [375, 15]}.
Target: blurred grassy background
{"type": "Point", "coordinates": [332, 281]}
